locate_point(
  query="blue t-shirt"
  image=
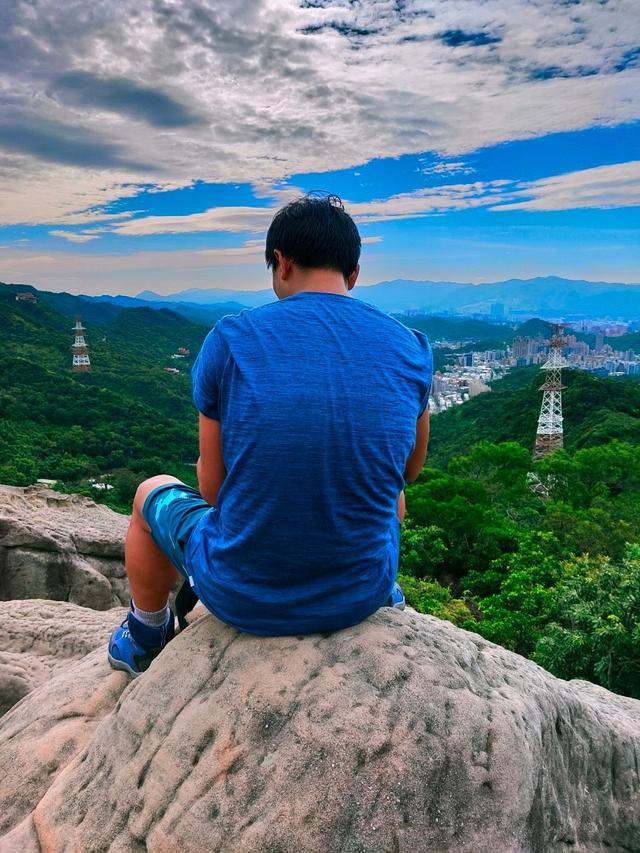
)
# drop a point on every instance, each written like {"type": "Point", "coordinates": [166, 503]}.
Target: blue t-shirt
{"type": "Point", "coordinates": [317, 396]}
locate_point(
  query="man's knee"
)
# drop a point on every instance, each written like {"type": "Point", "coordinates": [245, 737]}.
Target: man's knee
{"type": "Point", "coordinates": [147, 486]}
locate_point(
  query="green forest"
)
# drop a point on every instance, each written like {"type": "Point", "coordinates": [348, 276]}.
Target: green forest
{"type": "Point", "coordinates": [127, 418]}
{"type": "Point", "coordinates": [541, 558]}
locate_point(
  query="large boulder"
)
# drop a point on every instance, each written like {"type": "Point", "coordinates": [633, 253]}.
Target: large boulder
{"type": "Point", "coordinates": [38, 638]}
{"type": "Point", "coordinates": [403, 734]}
{"type": "Point", "coordinates": [61, 547]}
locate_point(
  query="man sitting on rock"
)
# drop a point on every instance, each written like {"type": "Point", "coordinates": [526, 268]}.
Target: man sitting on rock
{"type": "Point", "coordinates": [313, 414]}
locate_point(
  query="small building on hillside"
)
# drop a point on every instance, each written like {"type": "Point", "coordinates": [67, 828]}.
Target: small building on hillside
{"type": "Point", "coordinates": [26, 296]}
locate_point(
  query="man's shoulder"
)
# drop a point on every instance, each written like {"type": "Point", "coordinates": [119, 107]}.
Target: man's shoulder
{"type": "Point", "coordinates": [233, 322]}
{"type": "Point", "coordinates": [396, 326]}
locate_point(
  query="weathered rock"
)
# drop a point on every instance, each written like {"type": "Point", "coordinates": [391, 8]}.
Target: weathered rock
{"type": "Point", "coordinates": [400, 734]}
{"type": "Point", "coordinates": [38, 638]}
{"type": "Point", "coordinates": [61, 547]}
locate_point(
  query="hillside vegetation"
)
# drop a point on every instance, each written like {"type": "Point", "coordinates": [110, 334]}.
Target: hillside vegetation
{"type": "Point", "coordinates": [542, 558]}
{"type": "Point", "coordinates": [596, 410]}
{"type": "Point", "coordinates": [127, 417]}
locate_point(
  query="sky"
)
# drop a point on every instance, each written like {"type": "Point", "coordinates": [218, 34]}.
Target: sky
{"type": "Point", "coordinates": [146, 144]}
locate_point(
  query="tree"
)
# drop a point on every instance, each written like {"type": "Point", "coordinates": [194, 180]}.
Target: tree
{"type": "Point", "coordinates": [473, 532]}
{"type": "Point", "coordinates": [516, 615]}
{"type": "Point", "coordinates": [422, 549]}
{"type": "Point", "coordinates": [431, 597]}
{"type": "Point", "coordinates": [594, 631]}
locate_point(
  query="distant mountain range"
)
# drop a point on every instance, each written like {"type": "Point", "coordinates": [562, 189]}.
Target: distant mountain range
{"type": "Point", "coordinates": [543, 297]}
{"type": "Point", "coordinates": [519, 299]}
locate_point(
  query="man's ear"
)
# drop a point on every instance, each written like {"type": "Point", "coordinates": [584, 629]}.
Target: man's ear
{"type": "Point", "coordinates": [351, 280]}
{"type": "Point", "coordinates": [284, 264]}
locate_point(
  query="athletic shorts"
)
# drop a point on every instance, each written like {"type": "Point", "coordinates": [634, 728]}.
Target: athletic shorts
{"type": "Point", "coordinates": [172, 510]}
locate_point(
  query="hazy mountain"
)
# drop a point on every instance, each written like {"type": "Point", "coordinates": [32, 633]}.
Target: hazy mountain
{"type": "Point", "coordinates": [212, 296]}
{"type": "Point", "coordinates": [207, 314]}
{"type": "Point", "coordinates": [548, 297]}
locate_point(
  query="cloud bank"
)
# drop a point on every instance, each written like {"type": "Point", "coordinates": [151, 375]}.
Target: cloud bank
{"type": "Point", "coordinates": [98, 100]}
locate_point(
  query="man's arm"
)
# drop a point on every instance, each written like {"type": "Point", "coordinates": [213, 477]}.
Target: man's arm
{"type": "Point", "coordinates": [210, 468]}
{"type": "Point", "coordinates": [418, 455]}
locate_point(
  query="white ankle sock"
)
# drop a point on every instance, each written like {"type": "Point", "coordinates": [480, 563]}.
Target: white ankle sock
{"type": "Point", "coordinates": [152, 618]}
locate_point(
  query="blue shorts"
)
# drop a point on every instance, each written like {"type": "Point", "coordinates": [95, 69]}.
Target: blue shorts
{"type": "Point", "coordinates": [172, 510]}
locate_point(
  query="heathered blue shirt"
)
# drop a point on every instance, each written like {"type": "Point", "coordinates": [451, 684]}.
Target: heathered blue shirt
{"type": "Point", "coordinates": [318, 396]}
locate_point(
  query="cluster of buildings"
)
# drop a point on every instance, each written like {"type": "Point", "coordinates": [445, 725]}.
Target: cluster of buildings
{"type": "Point", "coordinates": [467, 377]}
{"type": "Point", "coordinates": [472, 372]}
{"type": "Point", "coordinates": [603, 359]}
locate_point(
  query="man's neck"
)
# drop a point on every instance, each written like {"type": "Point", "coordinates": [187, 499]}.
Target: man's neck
{"type": "Point", "coordinates": [318, 281]}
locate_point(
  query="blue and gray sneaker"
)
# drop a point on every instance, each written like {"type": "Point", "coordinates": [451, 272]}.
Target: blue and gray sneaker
{"type": "Point", "coordinates": [396, 599]}
{"type": "Point", "coordinates": [133, 645]}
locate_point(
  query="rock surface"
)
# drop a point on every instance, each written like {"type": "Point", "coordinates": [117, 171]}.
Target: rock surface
{"type": "Point", "coordinates": [401, 734]}
{"type": "Point", "coordinates": [61, 547]}
{"type": "Point", "coordinates": [38, 638]}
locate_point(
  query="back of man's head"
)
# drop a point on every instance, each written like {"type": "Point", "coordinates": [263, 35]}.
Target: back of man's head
{"type": "Point", "coordinates": [315, 232]}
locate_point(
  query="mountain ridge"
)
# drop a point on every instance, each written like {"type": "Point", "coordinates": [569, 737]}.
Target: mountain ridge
{"type": "Point", "coordinates": [548, 296]}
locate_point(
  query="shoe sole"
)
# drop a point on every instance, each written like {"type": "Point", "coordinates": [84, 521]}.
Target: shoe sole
{"type": "Point", "coordinates": [122, 666]}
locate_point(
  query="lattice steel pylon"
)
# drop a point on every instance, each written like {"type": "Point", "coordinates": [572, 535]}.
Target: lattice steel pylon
{"type": "Point", "coordinates": [549, 436]}
{"type": "Point", "coordinates": [81, 362]}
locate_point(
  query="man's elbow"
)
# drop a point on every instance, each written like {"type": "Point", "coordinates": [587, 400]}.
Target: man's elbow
{"type": "Point", "coordinates": [412, 473]}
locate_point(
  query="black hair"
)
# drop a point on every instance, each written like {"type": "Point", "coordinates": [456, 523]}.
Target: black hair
{"type": "Point", "coordinates": [315, 232]}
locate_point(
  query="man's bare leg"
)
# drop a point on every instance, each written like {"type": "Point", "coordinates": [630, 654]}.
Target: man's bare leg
{"type": "Point", "coordinates": [401, 506]}
{"type": "Point", "coordinates": [149, 624]}
{"type": "Point", "coordinates": [151, 574]}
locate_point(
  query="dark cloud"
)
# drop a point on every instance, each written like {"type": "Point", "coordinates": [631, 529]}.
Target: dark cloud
{"type": "Point", "coordinates": [62, 143]}
{"type": "Point", "coordinates": [414, 37]}
{"type": "Point", "coordinates": [347, 30]}
{"type": "Point", "coordinates": [457, 38]}
{"type": "Point", "coordinates": [121, 95]}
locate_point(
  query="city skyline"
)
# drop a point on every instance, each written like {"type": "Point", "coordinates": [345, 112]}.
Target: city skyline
{"type": "Point", "coordinates": [474, 145]}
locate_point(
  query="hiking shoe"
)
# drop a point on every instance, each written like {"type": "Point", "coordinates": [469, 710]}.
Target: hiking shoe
{"type": "Point", "coordinates": [396, 599]}
{"type": "Point", "coordinates": [133, 645]}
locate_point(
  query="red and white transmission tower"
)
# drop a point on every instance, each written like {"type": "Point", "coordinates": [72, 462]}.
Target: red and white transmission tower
{"type": "Point", "coordinates": [81, 361]}
{"type": "Point", "coordinates": [549, 436]}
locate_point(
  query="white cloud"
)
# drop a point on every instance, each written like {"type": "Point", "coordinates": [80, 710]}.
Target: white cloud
{"type": "Point", "coordinates": [32, 193]}
{"type": "Point", "coordinates": [240, 91]}
{"type": "Point", "coordinates": [447, 168]}
{"type": "Point", "coordinates": [605, 186]}
{"type": "Point", "coordinates": [429, 201]}
{"type": "Point", "coordinates": [367, 241]}
{"type": "Point", "coordinates": [252, 250]}
{"type": "Point", "coordinates": [233, 220]}
{"type": "Point", "coordinates": [74, 237]}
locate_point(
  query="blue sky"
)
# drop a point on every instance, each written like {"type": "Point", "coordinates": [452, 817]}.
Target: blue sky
{"type": "Point", "coordinates": [501, 141]}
